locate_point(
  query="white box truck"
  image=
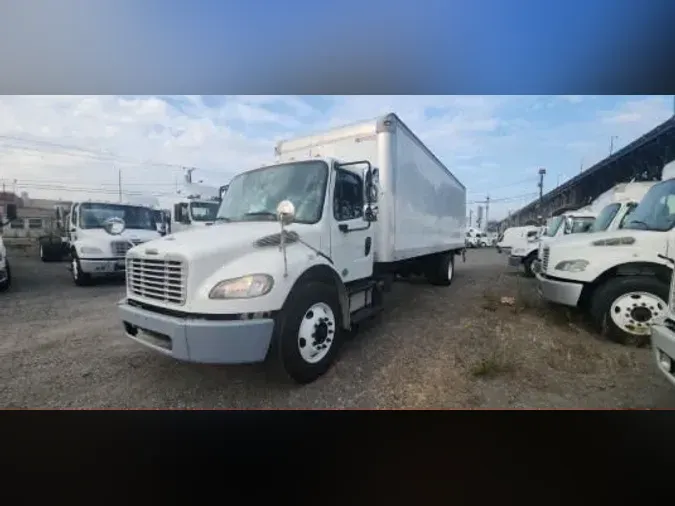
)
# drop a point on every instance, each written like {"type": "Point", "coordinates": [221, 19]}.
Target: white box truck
{"type": "Point", "coordinates": [301, 251]}
{"type": "Point", "coordinates": [620, 276]}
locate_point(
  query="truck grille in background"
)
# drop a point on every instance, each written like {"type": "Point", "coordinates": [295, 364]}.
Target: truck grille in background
{"type": "Point", "coordinates": [162, 280]}
{"type": "Point", "coordinates": [544, 259]}
{"type": "Point", "coordinates": [120, 248]}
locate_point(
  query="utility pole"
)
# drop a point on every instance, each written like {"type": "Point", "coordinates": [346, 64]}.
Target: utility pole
{"type": "Point", "coordinates": [581, 166]}
{"type": "Point", "coordinates": [119, 183]}
{"type": "Point", "coordinates": [487, 212]}
{"type": "Point", "coordinates": [542, 173]}
{"type": "Point", "coordinates": [188, 174]}
{"type": "Point", "coordinates": [470, 217]}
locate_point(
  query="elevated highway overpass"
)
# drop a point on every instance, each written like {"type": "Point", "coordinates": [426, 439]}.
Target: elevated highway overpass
{"type": "Point", "coordinates": [642, 160]}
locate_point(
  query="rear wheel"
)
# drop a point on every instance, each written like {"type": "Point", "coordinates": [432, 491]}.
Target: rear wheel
{"type": "Point", "coordinates": [625, 308]}
{"type": "Point", "coordinates": [310, 332]}
{"type": "Point", "coordinates": [441, 272]}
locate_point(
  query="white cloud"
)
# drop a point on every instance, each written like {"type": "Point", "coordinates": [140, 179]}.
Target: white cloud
{"type": "Point", "coordinates": [489, 141]}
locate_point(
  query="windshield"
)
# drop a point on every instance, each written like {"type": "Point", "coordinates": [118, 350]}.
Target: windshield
{"type": "Point", "coordinates": [552, 226]}
{"type": "Point", "coordinates": [95, 215]}
{"type": "Point", "coordinates": [255, 195]}
{"type": "Point", "coordinates": [656, 211]}
{"type": "Point", "coordinates": [581, 224]}
{"type": "Point", "coordinates": [605, 217]}
{"type": "Point", "coordinates": [204, 211]}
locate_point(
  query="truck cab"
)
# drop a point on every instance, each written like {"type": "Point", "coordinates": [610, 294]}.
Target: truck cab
{"type": "Point", "coordinates": [620, 277]}
{"type": "Point", "coordinates": [525, 252]}
{"type": "Point", "coordinates": [100, 234]}
{"type": "Point", "coordinates": [512, 235]}
{"type": "Point", "coordinates": [193, 211]}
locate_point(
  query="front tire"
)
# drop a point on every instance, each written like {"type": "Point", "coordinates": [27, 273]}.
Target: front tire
{"type": "Point", "coordinates": [527, 265]}
{"type": "Point", "coordinates": [80, 278]}
{"type": "Point", "coordinates": [625, 308]}
{"type": "Point", "coordinates": [7, 283]}
{"type": "Point", "coordinates": [310, 333]}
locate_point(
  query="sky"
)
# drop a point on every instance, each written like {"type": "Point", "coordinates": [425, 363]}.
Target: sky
{"type": "Point", "coordinates": [75, 147]}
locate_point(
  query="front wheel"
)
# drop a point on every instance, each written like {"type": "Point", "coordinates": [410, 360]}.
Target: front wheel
{"type": "Point", "coordinates": [310, 333]}
{"type": "Point", "coordinates": [527, 265]}
{"type": "Point", "coordinates": [625, 308]}
{"type": "Point", "coordinates": [80, 278]}
{"type": "Point", "coordinates": [7, 283]}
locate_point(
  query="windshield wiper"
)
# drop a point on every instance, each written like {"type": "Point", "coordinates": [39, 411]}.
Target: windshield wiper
{"type": "Point", "coordinates": [638, 222]}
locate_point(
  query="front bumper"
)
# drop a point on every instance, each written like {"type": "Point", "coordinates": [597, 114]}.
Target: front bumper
{"type": "Point", "coordinates": [559, 292]}
{"type": "Point", "coordinates": [505, 250]}
{"type": "Point", "coordinates": [198, 340]}
{"type": "Point", "coordinates": [515, 261]}
{"type": "Point", "coordinates": [663, 343]}
{"type": "Point", "coordinates": [103, 266]}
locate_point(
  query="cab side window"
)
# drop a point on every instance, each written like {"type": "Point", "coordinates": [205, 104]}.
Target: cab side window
{"type": "Point", "coordinates": [348, 197]}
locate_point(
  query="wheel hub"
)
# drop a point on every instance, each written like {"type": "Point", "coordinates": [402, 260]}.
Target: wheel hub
{"type": "Point", "coordinates": [316, 332]}
{"type": "Point", "coordinates": [636, 312]}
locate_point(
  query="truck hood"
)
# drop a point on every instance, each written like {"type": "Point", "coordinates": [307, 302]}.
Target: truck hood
{"type": "Point", "coordinates": [585, 239]}
{"type": "Point", "coordinates": [228, 240]}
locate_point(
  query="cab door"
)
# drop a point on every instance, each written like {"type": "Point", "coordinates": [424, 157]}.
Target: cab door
{"type": "Point", "coordinates": [352, 238]}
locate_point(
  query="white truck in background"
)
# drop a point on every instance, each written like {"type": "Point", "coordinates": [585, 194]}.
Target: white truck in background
{"type": "Point", "coordinates": [5, 269]}
{"type": "Point", "coordinates": [476, 238]}
{"type": "Point", "coordinates": [301, 252]}
{"type": "Point", "coordinates": [524, 252]}
{"type": "Point", "coordinates": [97, 234]}
{"type": "Point", "coordinates": [511, 236]}
{"type": "Point", "coordinates": [620, 277]}
{"type": "Point", "coordinates": [196, 205]}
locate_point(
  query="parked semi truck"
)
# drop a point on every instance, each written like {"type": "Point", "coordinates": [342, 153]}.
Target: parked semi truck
{"type": "Point", "coordinates": [96, 235]}
{"type": "Point", "coordinates": [511, 236]}
{"type": "Point", "coordinates": [620, 277]}
{"type": "Point", "coordinates": [301, 252]}
{"type": "Point", "coordinates": [5, 269]}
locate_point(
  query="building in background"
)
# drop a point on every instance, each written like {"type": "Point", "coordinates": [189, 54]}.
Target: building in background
{"type": "Point", "coordinates": [35, 216]}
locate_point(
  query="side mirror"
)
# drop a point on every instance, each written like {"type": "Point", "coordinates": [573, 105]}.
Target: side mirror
{"type": "Point", "coordinates": [568, 225]}
{"type": "Point", "coordinates": [285, 212]}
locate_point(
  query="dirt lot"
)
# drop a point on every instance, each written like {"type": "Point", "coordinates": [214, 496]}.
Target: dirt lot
{"type": "Point", "coordinates": [456, 347]}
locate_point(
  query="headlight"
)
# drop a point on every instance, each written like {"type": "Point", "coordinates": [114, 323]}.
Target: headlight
{"type": "Point", "coordinates": [245, 287]}
{"type": "Point", "coordinates": [518, 251]}
{"type": "Point", "coordinates": [90, 250]}
{"type": "Point", "coordinates": [572, 265]}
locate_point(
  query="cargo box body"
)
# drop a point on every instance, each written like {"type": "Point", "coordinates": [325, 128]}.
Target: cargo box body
{"type": "Point", "coordinates": [421, 204]}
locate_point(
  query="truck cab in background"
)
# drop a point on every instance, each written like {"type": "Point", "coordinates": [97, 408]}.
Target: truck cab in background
{"type": "Point", "coordinates": [621, 277]}
{"type": "Point", "coordinates": [512, 235]}
{"type": "Point", "coordinates": [197, 206]}
{"type": "Point", "coordinates": [100, 233]}
{"type": "Point", "coordinates": [524, 253]}
{"type": "Point", "coordinates": [5, 269]}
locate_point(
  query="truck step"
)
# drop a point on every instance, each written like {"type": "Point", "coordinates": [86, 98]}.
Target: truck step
{"type": "Point", "coordinates": [360, 286]}
{"type": "Point", "coordinates": [365, 313]}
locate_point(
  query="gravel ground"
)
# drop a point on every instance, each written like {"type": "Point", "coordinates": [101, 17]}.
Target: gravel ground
{"type": "Point", "coordinates": [456, 347]}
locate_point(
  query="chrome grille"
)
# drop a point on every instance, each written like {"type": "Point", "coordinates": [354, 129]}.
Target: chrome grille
{"type": "Point", "coordinates": [544, 259]}
{"type": "Point", "coordinates": [120, 248]}
{"type": "Point", "coordinates": [163, 280]}
{"type": "Point", "coordinates": [671, 295]}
